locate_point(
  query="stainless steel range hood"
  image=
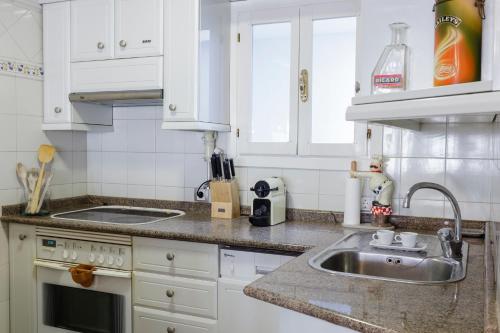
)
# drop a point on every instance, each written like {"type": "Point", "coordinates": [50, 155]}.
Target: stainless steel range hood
{"type": "Point", "coordinates": [120, 98]}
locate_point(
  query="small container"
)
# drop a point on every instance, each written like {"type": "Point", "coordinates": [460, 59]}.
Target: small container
{"type": "Point", "coordinates": [458, 41]}
{"type": "Point", "coordinates": [391, 72]}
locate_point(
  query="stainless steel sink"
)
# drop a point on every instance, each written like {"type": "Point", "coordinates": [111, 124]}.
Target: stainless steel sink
{"type": "Point", "coordinates": [352, 256]}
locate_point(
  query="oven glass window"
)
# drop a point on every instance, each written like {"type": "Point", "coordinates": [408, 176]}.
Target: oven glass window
{"type": "Point", "coordinates": [82, 310]}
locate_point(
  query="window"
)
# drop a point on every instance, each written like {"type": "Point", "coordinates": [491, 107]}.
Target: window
{"type": "Point", "coordinates": [296, 78]}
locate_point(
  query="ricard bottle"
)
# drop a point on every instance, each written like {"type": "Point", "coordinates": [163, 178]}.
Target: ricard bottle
{"type": "Point", "coordinates": [391, 72]}
{"type": "Point", "coordinates": [458, 41]}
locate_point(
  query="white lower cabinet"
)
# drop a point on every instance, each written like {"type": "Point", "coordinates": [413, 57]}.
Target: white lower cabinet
{"type": "Point", "coordinates": [176, 294]}
{"type": "Point", "coordinates": [148, 320]}
{"type": "Point", "coordinates": [174, 286]}
{"type": "Point", "coordinates": [22, 253]}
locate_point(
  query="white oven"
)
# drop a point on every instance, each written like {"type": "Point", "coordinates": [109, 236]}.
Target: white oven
{"type": "Point", "coordinates": [65, 306]}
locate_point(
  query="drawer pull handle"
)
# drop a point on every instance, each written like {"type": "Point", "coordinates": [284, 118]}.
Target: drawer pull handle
{"type": "Point", "coordinates": [100, 45]}
{"type": "Point", "coordinates": [170, 256]}
{"type": "Point", "coordinates": [123, 43]}
{"type": "Point", "coordinates": [172, 107]}
{"type": "Point", "coordinates": [170, 330]}
{"type": "Point", "coordinates": [22, 237]}
{"type": "Point", "coordinates": [170, 293]}
{"type": "Point", "coordinates": [57, 109]}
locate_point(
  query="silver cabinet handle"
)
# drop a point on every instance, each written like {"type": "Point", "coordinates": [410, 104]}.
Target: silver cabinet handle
{"type": "Point", "coordinates": [170, 293]}
{"type": "Point", "coordinates": [57, 109]}
{"type": "Point", "coordinates": [123, 43]}
{"type": "Point", "coordinates": [172, 107]}
{"type": "Point", "coordinates": [170, 330]}
{"type": "Point", "coordinates": [22, 237]}
{"type": "Point", "coordinates": [100, 45]}
{"type": "Point", "coordinates": [170, 256]}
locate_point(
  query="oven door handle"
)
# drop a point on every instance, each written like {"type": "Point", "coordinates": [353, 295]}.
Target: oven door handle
{"type": "Point", "coordinates": [98, 272]}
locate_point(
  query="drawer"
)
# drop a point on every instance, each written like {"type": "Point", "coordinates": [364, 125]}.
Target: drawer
{"type": "Point", "coordinates": [117, 75]}
{"type": "Point", "coordinates": [176, 258]}
{"type": "Point", "coordinates": [176, 294]}
{"type": "Point", "coordinates": [155, 321]}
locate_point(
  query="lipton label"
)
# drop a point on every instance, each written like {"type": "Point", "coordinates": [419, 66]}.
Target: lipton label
{"type": "Point", "coordinates": [388, 81]}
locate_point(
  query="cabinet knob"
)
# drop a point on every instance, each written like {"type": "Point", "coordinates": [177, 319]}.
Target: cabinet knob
{"type": "Point", "coordinates": [57, 109]}
{"type": "Point", "coordinates": [170, 293]}
{"type": "Point", "coordinates": [170, 330]}
{"type": "Point", "coordinates": [172, 107]}
{"type": "Point", "coordinates": [22, 237]}
{"type": "Point", "coordinates": [100, 45]}
{"type": "Point", "coordinates": [123, 43]}
{"type": "Point", "coordinates": [357, 87]}
{"type": "Point", "coordinates": [170, 256]}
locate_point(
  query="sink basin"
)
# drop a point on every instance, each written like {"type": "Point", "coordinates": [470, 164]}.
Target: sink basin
{"type": "Point", "coordinates": [352, 256]}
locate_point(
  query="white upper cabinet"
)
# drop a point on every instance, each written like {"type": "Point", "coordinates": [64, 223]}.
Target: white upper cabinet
{"type": "Point", "coordinates": [92, 30]}
{"type": "Point", "coordinates": [56, 52]}
{"type": "Point", "coordinates": [138, 28]}
{"type": "Point", "coordinates": [197, 52]}
{"type": "Point", "coordinates": [58, 112]}
{"type": "Point", "coordinates": [470, 102]}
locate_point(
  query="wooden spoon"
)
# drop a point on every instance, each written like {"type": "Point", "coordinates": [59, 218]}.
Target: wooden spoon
{"type": "Point", "coordinates": [32, 178]}
{"type": "Point", "coordinates": [22, 174]}
{"type": "Point", "coordinates": [45, 155]}
{"type": "Point", "coordinates": [45, 189]}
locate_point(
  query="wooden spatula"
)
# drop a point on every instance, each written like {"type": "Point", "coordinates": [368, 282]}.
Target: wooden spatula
{"type": "Point", "coordinates": [45, 155]}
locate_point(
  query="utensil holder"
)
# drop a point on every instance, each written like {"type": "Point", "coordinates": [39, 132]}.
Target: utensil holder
{"type": "Point", "coordinates": [225, 199]}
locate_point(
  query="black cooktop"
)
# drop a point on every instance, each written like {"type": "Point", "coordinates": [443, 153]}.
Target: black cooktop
{"type": "Point", "coordinates": [118, 215]}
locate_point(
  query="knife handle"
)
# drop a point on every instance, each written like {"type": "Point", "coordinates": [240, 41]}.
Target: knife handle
{"type": "Point", "coordinates": [231, 164]}
{"type": "Point", "coordinates": [213, 164]}
{"type": "Point", "coordinates": [227, 172]}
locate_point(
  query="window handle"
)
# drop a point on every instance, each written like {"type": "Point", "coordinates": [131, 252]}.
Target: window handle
{"type": "Point", "coordinates": [304, 85]}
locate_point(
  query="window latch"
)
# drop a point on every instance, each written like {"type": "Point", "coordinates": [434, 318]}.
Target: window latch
{"type": "Point", "coordinates": [304, 85]}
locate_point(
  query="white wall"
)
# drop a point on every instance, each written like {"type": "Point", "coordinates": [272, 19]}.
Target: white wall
{"type": "Point", "coordinates": [137, 159]}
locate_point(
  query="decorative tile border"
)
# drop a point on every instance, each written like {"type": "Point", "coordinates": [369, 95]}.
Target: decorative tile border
{"type": "Point", "coordinates": [21, 69]}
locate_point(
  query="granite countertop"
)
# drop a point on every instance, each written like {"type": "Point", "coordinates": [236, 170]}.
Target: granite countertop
{"type": "Point", "coordinates": [360, 304]}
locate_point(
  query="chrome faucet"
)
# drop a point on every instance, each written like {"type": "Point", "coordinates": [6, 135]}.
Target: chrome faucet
{"type": "Point", "coordinates": [451, 241]}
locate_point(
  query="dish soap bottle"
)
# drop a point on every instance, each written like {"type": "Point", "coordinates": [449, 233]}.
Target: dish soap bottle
{"type": "Point", "coordinates": [390, 74]}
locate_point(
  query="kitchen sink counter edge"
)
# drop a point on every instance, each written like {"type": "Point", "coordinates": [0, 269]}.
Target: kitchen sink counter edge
{"type": "Point", "coordinates": [360, 304]}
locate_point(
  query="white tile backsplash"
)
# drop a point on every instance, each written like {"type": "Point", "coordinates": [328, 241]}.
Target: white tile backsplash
{"type": "Point", "coordinates": [137, 159]}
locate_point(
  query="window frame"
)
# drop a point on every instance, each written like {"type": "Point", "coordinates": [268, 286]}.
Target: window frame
{"type": "Point", "coordinates": [298, 148]}
{"type": "Point", "coordinates": [308, 14]}
{"type": "Point", "coordinates": [246, 21]}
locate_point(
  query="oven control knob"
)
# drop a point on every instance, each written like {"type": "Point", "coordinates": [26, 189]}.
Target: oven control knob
{"type": "Point", "coordinates": [119, 261]}
{"type": "Point", "coordinates": [74, 255]}
{"type": "Point", "coordinates": [101, 259]}
{"type": "Point", "coordinates": [111, 260]}
{"type": "Point", "coordinates": [91, 257]}
{"type": "Point", "coordinates": [65, 254]}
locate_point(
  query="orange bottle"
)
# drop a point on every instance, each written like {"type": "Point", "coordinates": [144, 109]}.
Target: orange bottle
{"type": "Point", "coordinates": [458, 41]}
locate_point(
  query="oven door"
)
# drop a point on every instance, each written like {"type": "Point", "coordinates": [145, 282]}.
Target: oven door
{"type": "Point", "coordinates": [64, 306]}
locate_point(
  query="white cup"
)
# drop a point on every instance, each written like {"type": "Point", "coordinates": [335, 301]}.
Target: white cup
{"type": "Point", "coordinates": [384, 237]}
{"type": "Point", "coordinates": [408, 239]}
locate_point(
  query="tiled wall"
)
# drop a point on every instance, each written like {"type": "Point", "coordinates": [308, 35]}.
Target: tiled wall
{"type": "Point", "coordinates": [462, 157]}
{"type": "Point", "coordinates": [137, 159]}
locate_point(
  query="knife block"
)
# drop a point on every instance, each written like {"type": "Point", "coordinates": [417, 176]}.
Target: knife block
{"type": "Point", "coordinates": [225, 199]}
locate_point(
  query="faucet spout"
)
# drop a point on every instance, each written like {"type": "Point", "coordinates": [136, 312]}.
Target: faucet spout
{"type": "Point", "coordinates": [452, 244]}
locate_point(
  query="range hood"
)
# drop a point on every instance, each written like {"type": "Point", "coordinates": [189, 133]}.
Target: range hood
{"type": "Point", "coordinates": [120, 98]}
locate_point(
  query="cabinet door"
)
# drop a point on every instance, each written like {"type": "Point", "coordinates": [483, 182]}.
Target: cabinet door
{"type": "Point", "coordinates": [22, 250]}
{"type": "Point", "coordinates": [92, 29]}
{"type": "Point", "coordinates": [181, 60]}
{"type": "Point", "coordinates": [56, 60]}
{"type": "Point", "coordinates": [138, 28]}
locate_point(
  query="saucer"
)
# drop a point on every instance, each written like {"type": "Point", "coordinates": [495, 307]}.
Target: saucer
{"type": "Point", "coordinates": [399, 247]}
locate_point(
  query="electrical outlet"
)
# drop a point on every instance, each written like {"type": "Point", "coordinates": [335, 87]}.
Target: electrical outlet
{"type": "Point", "coordinates": [204, 195]}
{"type": "Point", "coordinates": [366, 204]}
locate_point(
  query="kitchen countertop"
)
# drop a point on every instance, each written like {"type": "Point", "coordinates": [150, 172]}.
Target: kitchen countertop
{"type": "Point", "coordinates": [360, 304]}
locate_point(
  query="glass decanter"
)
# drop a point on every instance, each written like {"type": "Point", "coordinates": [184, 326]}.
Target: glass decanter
{"type": "Point", "coordinates": [390, 74]}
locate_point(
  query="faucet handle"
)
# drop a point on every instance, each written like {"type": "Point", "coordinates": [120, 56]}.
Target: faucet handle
{"type": "Point", "coordinates": [445, 234]}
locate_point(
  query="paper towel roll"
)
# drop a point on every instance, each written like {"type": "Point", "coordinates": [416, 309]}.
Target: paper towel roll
{"type": "Point", "coordinates": [352, 207]}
